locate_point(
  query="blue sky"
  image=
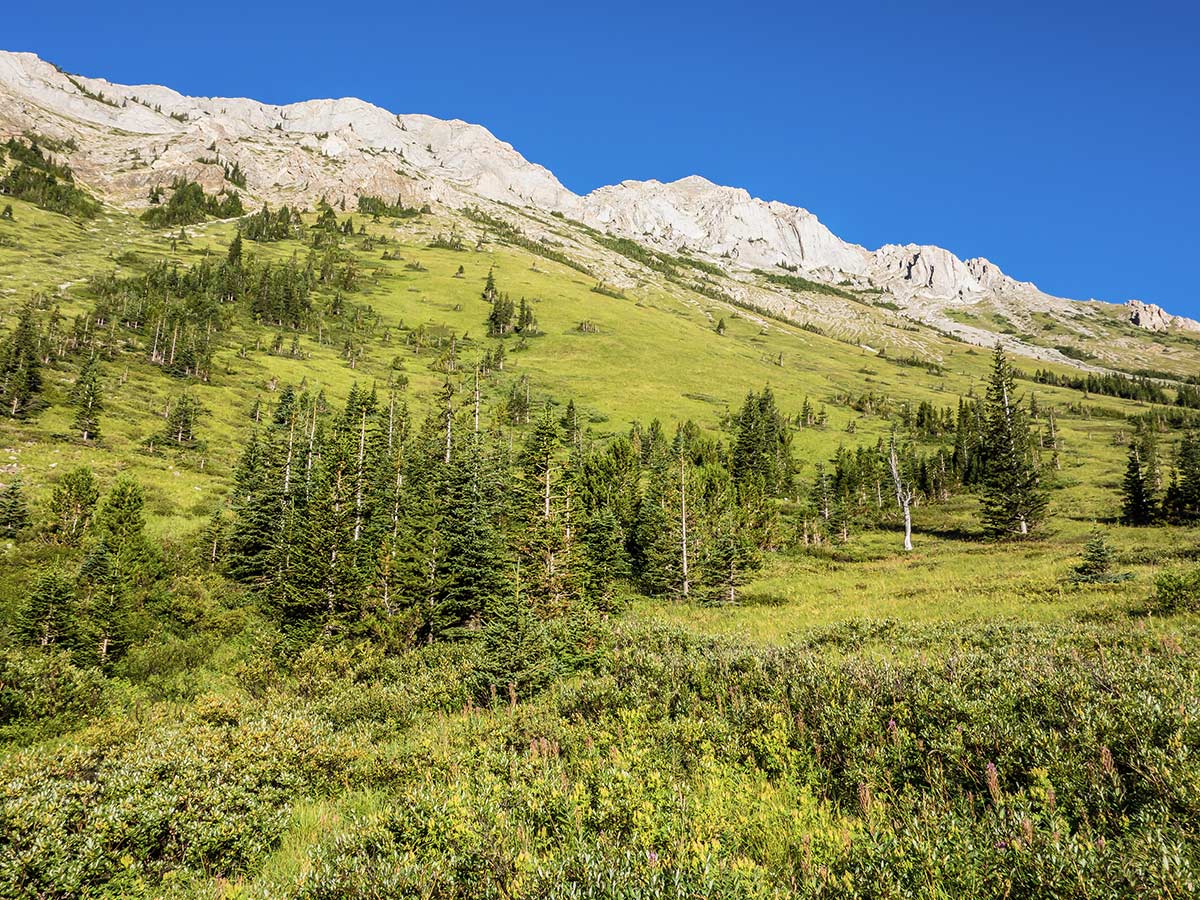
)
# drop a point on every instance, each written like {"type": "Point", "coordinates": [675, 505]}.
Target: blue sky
{"type": "Point", "coordinates": [1059, 139]}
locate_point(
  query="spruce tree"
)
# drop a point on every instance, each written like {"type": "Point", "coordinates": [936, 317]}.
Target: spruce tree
{"type": "Point", "coordinates": [47, 619]}
{"type": "Point", "coordinates": [604, 561]}
{"type": "Point", "coordinates": [1013, 499]}
{"type": "Point", "coordinates": [1138, 505]}
{"type": "Point", "coordinates": [14, 511]}
{"type": "Point", "coordinates": [731, 553]}
{"type": "Point", "coordinates": [89, 403]}
{"type": "Point", "coordinates": [72, 504]}
{"type": "Point", "coordinates": [1182, 501]}
{"type": "Point", "coordinates": [21, 367]}
{"type": "Point", "coordinates": [258, 507]}
{"type": "Point", "coordinates": [1097, 563]}
{"type": "Point", "coordinates": [477, 570]}
{"type": "Point", "coordinates": [182, 420]}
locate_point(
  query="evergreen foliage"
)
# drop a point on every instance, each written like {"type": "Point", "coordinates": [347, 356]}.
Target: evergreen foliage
{"type": "Point", "coordinates": [190, 205]}
{"type": "Point", "coordinates": [47, 619]}
{"type": "Point", "coordinates": [21, 367]}
{"type": "Point", "coordinates": [1014, 501]}
{"type": "Point", "coordinates": [1096, 567]}
{"type": "Point", "coordinates": [36, 178]}
{"type": "Point", "coordinates": [72, 504]}
{"type": "Point", "coordinates": [14, 510]}
{"type": "Point", "coordinates": [88, 399]}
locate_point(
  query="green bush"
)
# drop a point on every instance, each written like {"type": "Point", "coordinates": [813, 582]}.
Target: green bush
{"type": "Point", "coordinates": [43, 693]}
{"type": "Point", "coordinates": [1177, 591]}
{"type": "Point", "coordinates": [130, 801]}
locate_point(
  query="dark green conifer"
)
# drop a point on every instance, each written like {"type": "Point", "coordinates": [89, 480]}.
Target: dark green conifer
{"type": "Point", "coordinates": [14, 511]}
{"type": "Point", "coordinates": [21, 367]}
{"type": "Point", "coordinates": [1013, 499]}
{"type": "Point", "coordinates": [47, 618]}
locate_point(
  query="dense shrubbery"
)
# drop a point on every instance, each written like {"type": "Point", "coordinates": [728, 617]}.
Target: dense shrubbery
{"type": "Point", "coordinates": [1176, 592]}
{"type": "Point", "coordinates": [1019, 761]}
{"type": "Point", "coordinates": [130, 802]}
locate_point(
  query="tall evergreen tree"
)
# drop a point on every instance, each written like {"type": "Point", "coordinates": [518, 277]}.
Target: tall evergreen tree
{"type": "Point", "coordinates": [1182, 500]}
{"type": "Point", "coordinates": [1138, 505]}
{"type": "Point", "coordinates": [47, 618]}
{"type": "Point", "coordinates": [477, 567]}
{"type": "Point", "coordinates": [14, 511]}
{"type": "Point", "coordinates": [762, 447]}
{"type": "Point", "coordinates": [1014, 501]}
{"type": "Point", "coordinates": [21, 366]}
{"type": "Point", "coordinates": [182, 420]}
{"type": "Point", "coordinates": [72, 504]}
{"type": "Point", "coordinates": [89, 402]}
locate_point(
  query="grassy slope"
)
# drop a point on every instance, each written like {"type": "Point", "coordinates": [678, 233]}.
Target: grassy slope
{"type": "Point", "coordinates": [657, 354]}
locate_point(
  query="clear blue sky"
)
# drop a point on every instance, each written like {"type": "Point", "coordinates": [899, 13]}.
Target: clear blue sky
{"type": "Point", "coordinates": [1059, 139]}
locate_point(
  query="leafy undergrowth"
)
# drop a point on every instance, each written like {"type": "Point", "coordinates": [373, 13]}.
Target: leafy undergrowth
{"type": "Point", "coordinates": [1001, 760]}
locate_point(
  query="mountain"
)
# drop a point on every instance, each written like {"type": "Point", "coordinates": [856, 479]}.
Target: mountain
{"type": "Point", "coordinates": [131, 138]}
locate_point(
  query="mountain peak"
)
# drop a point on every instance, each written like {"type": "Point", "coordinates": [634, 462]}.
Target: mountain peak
{"type": "Point", "coordinates": [135, 137]}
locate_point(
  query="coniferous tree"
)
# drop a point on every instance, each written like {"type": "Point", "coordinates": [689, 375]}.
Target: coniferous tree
{"type": "Point", "coordinates": [517, 651]}
{"type": "Point", "coordinates": [182, 420]}
{"type": "Point", "coordinates": [21, 366]}
{"type": "Point", "coordinates": [1097, 563]}
{"type": "Point", "coordinates": [120, 561]}
{"type": "Point", "coordinates": [548, 545]}
{"type": "Point", "coordinates": [731, 552]}
{"type": "Point", "coordinates": [14, 511]}
{"type": "Point", "coordinates": [1182, 501]}
{"type": "Point", "coordinates": [72, 505]}
{"type": "Point", "coordinates": [604, 559]}
{"type": "Point", "coordinates": [47, 619]}
{"type": "Point", "coordinates": [1014, 501]}
{"type": "Point", "coordinates": [762, 448]}
{"type": "Point", "coordinates": [1138, 505]}
{"type": "Point", "coordinates": [258, 507]}
{"type": "Point", "coordinates": [89, 402]}
{"type": "Point", "coordinates": [476, 565]}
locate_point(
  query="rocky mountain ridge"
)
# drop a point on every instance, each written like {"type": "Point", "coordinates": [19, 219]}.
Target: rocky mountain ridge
{"type": "Point", "coordinates": [133, 137]}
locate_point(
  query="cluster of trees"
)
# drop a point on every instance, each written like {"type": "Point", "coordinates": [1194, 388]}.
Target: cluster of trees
{"type": "Point", "coordinates": [506, 317]}
{"type": "Point", "coordinates": [266, 226]}
{"type": "Point", "coordinates": [379, 208]}
{"type": "Point", "coordinates": [1109, 384]}
{"type": "Point", "coordinates": [189, 204]}
{"type": "Point", "coordinates": [1147, 497]}
{"type": "Point", "coordinates": [360, 519]}
{"type": "Point", "coordinates": [40, 180]}
{"type": "Point", "coordinates": [995, 452]}
{"type": "Point", "coordinates": [92, 610]}
{"type": "Point", "coordinates": [867, 484]}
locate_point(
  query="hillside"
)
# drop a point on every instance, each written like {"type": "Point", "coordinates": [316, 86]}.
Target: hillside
{"type": "Point", "coordinates": [383, 519]}
{"type": "Point", "coordinates": [133, 138]}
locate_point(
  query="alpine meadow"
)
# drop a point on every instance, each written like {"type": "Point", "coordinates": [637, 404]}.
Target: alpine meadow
{"type": "Point", "coordinates": [381, 519]}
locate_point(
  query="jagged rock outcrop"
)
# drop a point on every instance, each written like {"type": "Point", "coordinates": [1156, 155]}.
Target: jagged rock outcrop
{"type": "Point", "coordinates": [140, 135]}
{"type": "Point", "coordinates": [723, 222]}
{"type": "Point", "coordinates": [1152, 317]}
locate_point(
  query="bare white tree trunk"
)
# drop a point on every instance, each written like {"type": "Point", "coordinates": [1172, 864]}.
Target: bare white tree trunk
{"type": "Point", "coordinates": [904, 493]}
{"type": "Point", "coordinates": [683, 523]}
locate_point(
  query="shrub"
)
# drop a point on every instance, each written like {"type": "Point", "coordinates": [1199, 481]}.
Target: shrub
{"type": "Point", "coordinates": [1177, 591]}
